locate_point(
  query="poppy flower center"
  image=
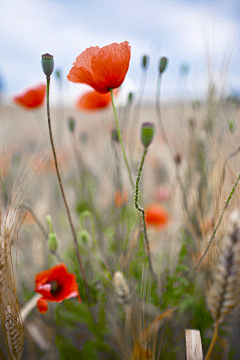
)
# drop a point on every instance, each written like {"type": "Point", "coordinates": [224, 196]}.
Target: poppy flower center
{"type": "Point", "coordinates": [54, 287]}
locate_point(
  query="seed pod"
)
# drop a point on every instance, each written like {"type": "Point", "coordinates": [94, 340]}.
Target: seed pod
{"type": "Point", "coordinates": [163, 65]}
{"type": "Point", "coordinates": [147, 133]}
{"type": "Point", "coordinates": [145, 62]}
{"type": "Point", "coordinates": [47, 64]}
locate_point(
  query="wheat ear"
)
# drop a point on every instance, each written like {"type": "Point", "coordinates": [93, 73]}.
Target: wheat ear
{"type": "Point", "coordinates": [224, 293]}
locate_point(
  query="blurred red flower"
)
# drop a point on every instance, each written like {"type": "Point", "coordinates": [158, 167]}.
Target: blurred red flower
{"type": "Point", "coordinates": [121, 198]}
{"type": "Point", "coordinates": [93, 100]}
{"type": "Point", "coordinates": [156, 215]}
{"type": "Point", "coordinates": [32, 98]}
{"type": "Point", "coordinates": [102, 68]}
{"type": "Point", "coordinates": [55, 284]}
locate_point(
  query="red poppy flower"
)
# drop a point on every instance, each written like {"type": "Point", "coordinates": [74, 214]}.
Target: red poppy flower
{"type": "Point", "coordinates": [102, 68]}
{"type": "Point", "coordinates": [156, 215]}
{"type": "Point", "coordinates": [32, 98]}
{"type": "Point", "coordinates": [93, 100]}
{"type": "Point", "coordinates": [55, 284]}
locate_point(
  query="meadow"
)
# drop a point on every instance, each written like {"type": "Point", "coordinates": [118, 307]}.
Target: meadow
{"type": "Point", "coordinates": [120, 233]}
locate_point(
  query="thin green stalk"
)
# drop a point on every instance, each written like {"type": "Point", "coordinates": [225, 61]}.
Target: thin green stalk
{"type": "Point", "coordinates": [216, 228]}
{"type": "Point", "coordinates": [120, 139]}
{"type": "Point", "coordinates": [141, 210]}
{"type": "Point", "coordinates": [63, 194]}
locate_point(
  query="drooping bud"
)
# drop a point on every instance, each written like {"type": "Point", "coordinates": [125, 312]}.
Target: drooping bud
{"type": "Point", "coordinates": [71, 124]}
{"type": "Point", "coordinates": [162, 65]}
{"type": "Point", "coordinates": [84, 236]}
{"type": "Point", "coordinates": [145, 62]}
{"type": "Point", "coordinates": [47, 64]}
{"type": "Point", "coordinates": [147, 133]}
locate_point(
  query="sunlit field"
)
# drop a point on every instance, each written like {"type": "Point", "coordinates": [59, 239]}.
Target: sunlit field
{"type": "Point", "coordinates": [120, 223]}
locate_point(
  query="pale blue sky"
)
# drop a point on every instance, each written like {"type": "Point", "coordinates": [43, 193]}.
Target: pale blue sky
{"type": "Point", "coordinates": [185, 31]}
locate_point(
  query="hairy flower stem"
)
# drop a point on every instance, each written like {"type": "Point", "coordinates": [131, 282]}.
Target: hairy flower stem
{"type": "Point", "coordinates": [214, 339]}
{"type": "Point", "coordinates": [120, 139]}
{"type": "Point", "coordinates": [141, 210]}
{"type": "Point", "coordinates": [216, 228]}
{"type": "Point", "coordinates": [63, 194]}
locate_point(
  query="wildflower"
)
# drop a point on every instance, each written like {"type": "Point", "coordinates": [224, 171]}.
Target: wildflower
{"type": "Point", "coordinates": [55, 284]}
{"type": "Point", "coordinates": [120, 198]}
{"type": "Point", "coordinates": [32, 98]}
{"type": "Point", "coordinates": [93, 100]}
{"type": "Point", "coordinates": [156, 215]}
{"type": "Point", "coordinates": [102, 68]}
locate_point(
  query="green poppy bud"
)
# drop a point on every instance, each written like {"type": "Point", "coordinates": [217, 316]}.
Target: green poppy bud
{"type": "Point", "coordinates": [147, 133]}
{"type": "Point", "coordinates": [52, 242]}
{"type": "Point", "coordinates": [58, 74]}
{"type": "Point", "coordinates": [50, 223]}
{"type": "Point", "coordinates": [145, 61]}
{"type": "Point", "coordinates": [71, 124]}
{"type": "Point", "coordinates": [114, 135]}
{"type": "Point", "coordinates": [47, 64]}
{"type": "Point", "coordinates": [84, 236]}
{"type": "Point", "coordinates": [163, 64]}
{"type": "Point", "coordinates": [130, 98]}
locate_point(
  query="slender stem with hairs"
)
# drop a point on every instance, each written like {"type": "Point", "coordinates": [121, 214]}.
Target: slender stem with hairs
{"type": "Point", "coordinates": [120, 139]}
{"type": "Point", "coordinates": [141, 210]}
{"type": "Point", "coordinates": [214, 339]}
{"type": "Point", "coordinates": [63, 194]}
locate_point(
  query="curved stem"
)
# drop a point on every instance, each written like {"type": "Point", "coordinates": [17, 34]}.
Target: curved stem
{"type": "Point", "coordinates": [141, 210]}
{"type": "Point", "coordinates": [120, 139]}
{"type": "Point", "coordinates": [63, 195]}
{"type": "Point", "coordinates": [214, 339]}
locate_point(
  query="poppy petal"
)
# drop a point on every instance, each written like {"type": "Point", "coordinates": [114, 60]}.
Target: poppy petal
{"type": "Point", "coordinates": [92, 100]}
{"type": "Point", "coordinates": [81, 71]}
{"type": "Point", "coordinates": [42, 305]}
{"type": "Point", "coordinates": [110, 66]}
{"type": "Point", "coordinates": [102, 68]}
{"type": "Point", "coordinates": [32, 98]}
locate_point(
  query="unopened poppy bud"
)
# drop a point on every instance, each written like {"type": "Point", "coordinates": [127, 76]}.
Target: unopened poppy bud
{"type": "Point", "coordinates": [130, 97]}
{"type": "Point", "coordinates": [114, 135]}
{"type": "Point", "coordinates": [84, 236]}
{"type": "Point", "coordinates": [58, 74]}
{"type": "Point", "coordinates": [47, 64]}
{"type": "Point", "coordinates": [231, 125]}
{"type": "Point", "coordinates": [145, 61]}
{"type": "Point", "coordinates": [177, 159]}
{"type": "Point", "coordinates": [71, 124]}
{"type": "Point", "coordinates": [50, 223]}
{"type": "Point", "coordinates": [52, 242]}
{"type": "Point", "coordinates": [163, 64]}
{"type": "Point", "coordinates": [147, 133]}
